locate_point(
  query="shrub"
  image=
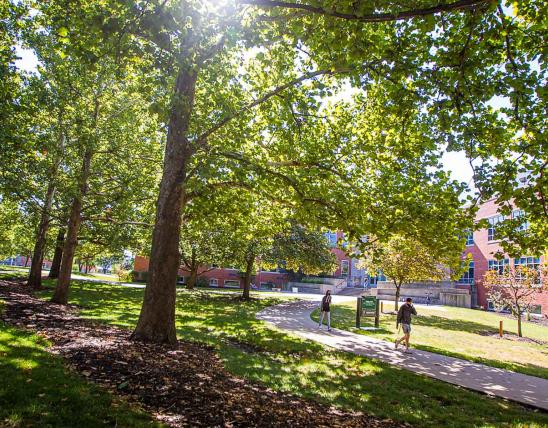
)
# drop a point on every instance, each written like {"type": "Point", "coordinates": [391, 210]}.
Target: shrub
{"type": "Point", "coordinates": [202, 281]}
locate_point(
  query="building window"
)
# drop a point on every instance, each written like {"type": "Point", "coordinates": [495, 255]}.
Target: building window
{"type": "Point", "coordinates": [469, 238]}
{"type": "Point", "coordinates": [491, 231]}
{"type": "Point", "coordinates": [535, 309]}
{"type": "Point", "coordinates": [381, 276]}
{"type": "Point", "coordinates": [498, 265]}
{"type": "Point", "coordinates": [524, 225]}
{"type": "Point", "coordinates": [231, 283]}
{"type": "Point", "coordinates": [467, 276]}
{"type": "Point", "coordinates": [344, 267]}
{"type": "Point", "coordinates": [531, 263]}
{"type": "Point", "coordinates": [331, 238]}
{"type": "Point", "coordinates": [213, 282]}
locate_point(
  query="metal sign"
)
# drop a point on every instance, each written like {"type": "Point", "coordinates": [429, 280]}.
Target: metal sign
{"type": "Point", "coordinates": [369, 305]}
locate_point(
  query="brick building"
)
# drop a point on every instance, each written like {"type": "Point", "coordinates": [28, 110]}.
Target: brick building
{"type": "Point", "coordinates": [482, 245]}
{"type": "Point", "coordinates": [232, 278]}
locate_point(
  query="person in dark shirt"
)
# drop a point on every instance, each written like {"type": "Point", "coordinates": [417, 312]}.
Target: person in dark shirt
{"type": "Point", "coordinates": [326, 310]}
{"type": "Point", "coordinates": [404, 318]}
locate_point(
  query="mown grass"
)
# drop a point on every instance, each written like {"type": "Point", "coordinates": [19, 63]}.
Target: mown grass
{"type": "Point", "coordinates": [36, 390]}
{"type": "Point", "coordinates": [462, 333]}
{"type": "Point", "coordinates": [252, 350]}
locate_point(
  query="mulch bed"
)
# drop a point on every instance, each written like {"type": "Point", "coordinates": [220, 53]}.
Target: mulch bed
{"type": "Point", "coordinates": [185, 385]}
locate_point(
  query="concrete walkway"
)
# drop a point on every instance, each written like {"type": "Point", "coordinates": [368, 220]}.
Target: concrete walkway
{"type": "Point", "coordinates": [294, 317]}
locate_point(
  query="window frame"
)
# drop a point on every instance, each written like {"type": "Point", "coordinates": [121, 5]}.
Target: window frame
{"type": "Point", "coordinates": [467, 276]}
{"type": "Point", "coordinates": [498, 265]}
{"type": "Point", "coordinates": [343, 263]}
{"type": "Point", "coordinates": [491, 229]}
{"type": "Point", "coordinates": [230, 281]}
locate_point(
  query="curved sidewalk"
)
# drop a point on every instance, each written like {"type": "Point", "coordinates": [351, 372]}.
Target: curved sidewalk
{"type": "Point", "coordinates": [294, 317]}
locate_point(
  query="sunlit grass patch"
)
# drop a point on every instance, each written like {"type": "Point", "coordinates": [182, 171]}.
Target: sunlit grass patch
{"type": "Point", "coordinates": [249, 348]}
{"type": "Point", "coordinates": [37, 390]}
{"type": "Point", "coordinates": [460, 332]}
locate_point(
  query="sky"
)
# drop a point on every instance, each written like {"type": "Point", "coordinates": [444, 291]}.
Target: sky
{"type": "Point", "coordinates": [454, 162]}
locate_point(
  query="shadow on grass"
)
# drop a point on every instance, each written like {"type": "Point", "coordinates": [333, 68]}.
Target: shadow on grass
{"type": "Point", "coordinates": [252, 350]}
{"type": "Point", "coordinates": [36, 390]}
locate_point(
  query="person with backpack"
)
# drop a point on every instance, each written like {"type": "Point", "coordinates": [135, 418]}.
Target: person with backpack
{"type": "Point", "coordinates": [326, 310]}
{"type": "Point", "coordinates": [404, 318]}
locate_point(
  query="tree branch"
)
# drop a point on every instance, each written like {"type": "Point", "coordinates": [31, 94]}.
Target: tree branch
{"type": "Point", "coordinates": [203, 138]}
{"type": "Point", "coordinates": [375, 17]}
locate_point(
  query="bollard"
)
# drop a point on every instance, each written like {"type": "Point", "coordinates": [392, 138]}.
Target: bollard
{"type": "Point", "coordinates": [500, 328]}
{"type": "Point", "coordinates": [382, 307]}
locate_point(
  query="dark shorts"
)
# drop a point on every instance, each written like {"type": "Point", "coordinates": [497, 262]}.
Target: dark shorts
{"type": "Point", "coordinates": [406, 328]}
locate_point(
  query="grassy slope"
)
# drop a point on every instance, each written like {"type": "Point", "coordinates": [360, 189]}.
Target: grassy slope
{"type": "Point", "coordinates": [36, 390]}
{"type": "Point", "coordinates": [252, 350]}
{"type": "Point", "coordinates": [460, 332]}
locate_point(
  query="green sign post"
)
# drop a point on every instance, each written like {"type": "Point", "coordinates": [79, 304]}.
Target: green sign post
{"type": "Point", "coordinates": [367, 307]}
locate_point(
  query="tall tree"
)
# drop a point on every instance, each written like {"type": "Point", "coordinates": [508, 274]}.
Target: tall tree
{"type": "Point", "coordinates": [260, 115]}
{"type": "Point", "coordinates": [404, 260]}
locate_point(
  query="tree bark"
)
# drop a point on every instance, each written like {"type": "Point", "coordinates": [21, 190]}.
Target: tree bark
{"type": "Point", "coordinates": [247, 277]}
{"type": "Point", "coordinates": [397, 302]}
{"type": "Point", "coordinates": [519, 320]}
{"type": "Point", "coordinates": [29, 255]}
{"type": "Point", "coordinates": [192, 278]}
{"type": "Point", "coordinates": [35, 274]}
{"type": "Point", "coordinates": [61, 291]}
{"type": "Point", "coordinates": [58, 255]}
{"type": "Point", "coordinates": [157, 318]}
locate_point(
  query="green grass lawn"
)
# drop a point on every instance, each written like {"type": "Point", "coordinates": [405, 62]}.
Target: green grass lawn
{"type": "Point", "coordinates": [37, 390]}
{"type": "Point", "coordinates": [459, 332]}
{"type": "Point", "coordinates": [13, 272]}
{"type": "Point", "coordinates": [254, 351]}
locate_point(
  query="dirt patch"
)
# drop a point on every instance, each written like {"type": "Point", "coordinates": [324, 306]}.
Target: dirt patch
{"type": "Point", "coordinates": [185, 385]}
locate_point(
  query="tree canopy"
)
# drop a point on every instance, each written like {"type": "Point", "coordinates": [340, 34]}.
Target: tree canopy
{"type": "Point", "coordinates": [337, 112]}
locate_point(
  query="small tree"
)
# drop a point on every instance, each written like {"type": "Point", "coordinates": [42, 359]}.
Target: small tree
{"type": "Point", "coordinates": [405, 260]}
{"type": "Point", "coordinates": [515, 288]}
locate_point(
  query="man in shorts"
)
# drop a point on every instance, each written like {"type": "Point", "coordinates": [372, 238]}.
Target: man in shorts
{"type": "Point", "coordinates": [404, 318]}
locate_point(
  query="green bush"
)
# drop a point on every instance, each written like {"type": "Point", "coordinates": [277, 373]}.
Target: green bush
{"type": "Point", "coordinates": [202, 281]}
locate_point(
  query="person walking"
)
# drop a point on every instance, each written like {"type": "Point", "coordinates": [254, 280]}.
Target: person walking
{"type": "Point", "coordinates": [326, 310]}
{"type": "Point", "coordinates": [404, 318]}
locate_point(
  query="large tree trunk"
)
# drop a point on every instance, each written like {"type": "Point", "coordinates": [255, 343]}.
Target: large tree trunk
{"type": "Point", "coordinates": [61, 291]}
{"type": "Point", "coordinates": [397, 302]}
{"type": "Point", "coordinates": [35, 274]}
{"type": "Point", "coordinates": [247, 277]}
{"type": "Point", "coordinates": [157, 319]}
{"type": "Point", "coordinates": [57, 256]}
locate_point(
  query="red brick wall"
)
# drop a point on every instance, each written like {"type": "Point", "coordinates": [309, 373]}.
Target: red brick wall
{"type": "Point", "coordinates": [341, 255]}
{"type": "Point", "coordinates": [483, 250]}
{"type": "Point", "coordinates": [221, 274]}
